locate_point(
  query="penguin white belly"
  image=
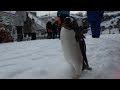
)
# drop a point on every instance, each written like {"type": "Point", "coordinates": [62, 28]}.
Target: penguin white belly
{"type": "Point", "coordinates": [71, 49]}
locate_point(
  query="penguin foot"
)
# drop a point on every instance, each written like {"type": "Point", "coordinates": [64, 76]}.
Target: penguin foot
{"type": "Point", "coordinates": [86, 67]}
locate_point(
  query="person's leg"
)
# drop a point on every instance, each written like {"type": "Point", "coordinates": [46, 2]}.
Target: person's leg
{"type": "Point", "coordinates": [19, 33]}
{"type": "Point", "coordinates": [93, 27]}
{"type": "Point", "coordinates": [48, 35]}
{"type": "Point", "coordinates": [97, 29]}
{"type": "Point", "coordinates": [33, 36]}
{"type": "Point", "coordinates": [0, 40]}
{"type": "Point", "coordinates": [29, 34]}
{"type": "Point", "coordinates": [53, 35]}
{"type": "Point", "coordinates": [21, 37]}
{"type": "Point", "coordinates": [59, 34]}
{"type": "Point", "coordinates": [25, 34]}
{"type": "Point", "coordinates": [56, 34]}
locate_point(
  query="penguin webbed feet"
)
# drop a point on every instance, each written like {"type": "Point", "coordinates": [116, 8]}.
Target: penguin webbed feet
{"type": "Point", "coordinates": [86, 67]}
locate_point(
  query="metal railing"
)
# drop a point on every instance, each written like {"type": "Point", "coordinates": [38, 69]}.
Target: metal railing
{"type": "Point", "coordinates": [39, 22]}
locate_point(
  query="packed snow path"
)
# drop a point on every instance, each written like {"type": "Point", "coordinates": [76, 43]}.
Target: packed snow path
{"type": "Point", "coordinates": [43, 59]}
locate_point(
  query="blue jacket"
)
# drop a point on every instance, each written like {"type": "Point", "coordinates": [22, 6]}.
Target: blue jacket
{"type": "Point", "coordinates": [63, 13]}
{"type": "Point", "coordinates": [95, 16]}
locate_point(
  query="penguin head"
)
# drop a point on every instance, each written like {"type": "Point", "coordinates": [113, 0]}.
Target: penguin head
{"type": "Point", "coordinates": [70, 22]}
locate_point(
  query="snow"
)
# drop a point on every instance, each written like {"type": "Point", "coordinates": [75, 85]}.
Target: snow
{"type": "Point", "coordinates": [112, 13]}
{"type": "Point", "coordinates": [43, 59]}
{"type": "Point", "coordinates": [13, 12]}
{"type": "Point", "coordinates": [108, 23]}
{"type": "Point", "coordinates": [54, 13]}
{"type": "Point", "coordinates": [106, 31]}
{"type": "Point", "coordinates": [103, 55]}
{"type": "Point", "coordinates": [113, 31]}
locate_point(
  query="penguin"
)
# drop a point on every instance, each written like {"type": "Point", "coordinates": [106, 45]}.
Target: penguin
{"type": "Point", "coordinates": [72, 47]}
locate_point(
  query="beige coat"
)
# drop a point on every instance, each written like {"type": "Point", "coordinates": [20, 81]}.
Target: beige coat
{"type": "Point", "coordinates": [20, 17]}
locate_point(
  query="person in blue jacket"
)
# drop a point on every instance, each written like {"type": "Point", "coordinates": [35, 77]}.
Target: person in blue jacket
{"type": "Point", "coordinates": [95, 18]}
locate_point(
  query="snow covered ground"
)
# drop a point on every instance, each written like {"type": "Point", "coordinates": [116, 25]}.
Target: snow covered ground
{"type": "Point", "coordinates": [43, 59]}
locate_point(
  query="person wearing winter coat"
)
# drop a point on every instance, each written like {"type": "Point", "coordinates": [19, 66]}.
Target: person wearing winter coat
{"type": "Point", "coordinates": [95, 18]}
{"type": "Point", "coordinates": [34, 27]}
{"type": "Point", "coordinates": [49, 29]}
{"type": "Point", "coordinates": [20, 17]}
{"type": "Point", "coordinates": [27, 26]}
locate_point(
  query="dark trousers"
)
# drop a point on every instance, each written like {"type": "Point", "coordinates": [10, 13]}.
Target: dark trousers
{"type": "Point", "coordinates": [29, 34]}
{"type": "Point", "coordinates": [95, 29]}
{"type": "Point", "coordinates": [119, 31]}
{"type": "Point", "coordinates": [0, 40]}
{"type": "Point", "coordinates": [49, 35]}
{"type": "Point", "coordinates": [54, 35]}
{"type": "Point", "coordinates": [19, 33]}
{"type": "Point", "coordinates": [59, 30]}
{"type": "Point", "coordinates": [33, 36]}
